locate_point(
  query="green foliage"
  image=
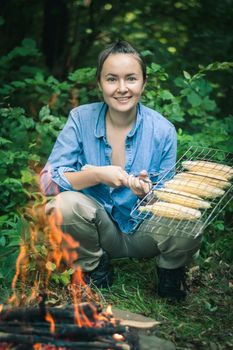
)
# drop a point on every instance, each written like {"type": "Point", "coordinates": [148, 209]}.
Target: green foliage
{"type": "Point", "coordinates": [32, 88]}
{"type": "Point", "coordinates": [15, 155]}
{"type": "Point", "coordinates": [30, 232]}
{"type": "Point", "coordinates": [28, 132]}
{"type": "Point", "coordinates": [189, 104]}
{"type": "Point", "coordinates": [37, 91]}
{"type": "Point", "coordinates": [159, 97]}
{"type": "Point", "coordinates": [10, 233]}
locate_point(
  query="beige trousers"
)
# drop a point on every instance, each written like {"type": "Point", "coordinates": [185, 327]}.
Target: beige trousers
{"type": "Point", "coordinates": [88, 222]}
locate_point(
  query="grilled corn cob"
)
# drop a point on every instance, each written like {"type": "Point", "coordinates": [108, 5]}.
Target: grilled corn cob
{"type": "Point", "coordinates": [180, 197]}
{"type": "Point", "coordinates": [204, 178]}
{"type": "Point", "coordinates": [194, 187]}
{"type": "Point", "coordinates": [209, 167]}
{"type": "Point", "coordinates": [172, 211]}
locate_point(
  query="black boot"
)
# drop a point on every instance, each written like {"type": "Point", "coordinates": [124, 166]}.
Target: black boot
{"type": "Point", "coordinates": [102, 275]}
{"type": "Point", "coordinates": [171, 283]}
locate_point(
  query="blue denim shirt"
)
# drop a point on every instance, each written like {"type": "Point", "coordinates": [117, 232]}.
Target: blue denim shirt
{"type": "Point", "coordinates": [150, 145]}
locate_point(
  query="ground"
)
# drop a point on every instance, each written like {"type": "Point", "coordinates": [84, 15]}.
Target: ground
{"type": "Point", "coordinates": [203, 321]}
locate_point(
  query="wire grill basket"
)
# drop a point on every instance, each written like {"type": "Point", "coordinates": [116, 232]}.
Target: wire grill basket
{"type": "Point", "coordinates": [191, 182]}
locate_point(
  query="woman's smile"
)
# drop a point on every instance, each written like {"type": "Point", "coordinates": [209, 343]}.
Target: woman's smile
{"type": "Point", "coordinates": [123, 99]}
{"type": "Point", "coordinates": [121, 82]}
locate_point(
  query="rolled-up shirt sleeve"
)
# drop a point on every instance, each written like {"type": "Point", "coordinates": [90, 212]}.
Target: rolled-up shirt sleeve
{"type": "Point", "coordinates": [63, 158]}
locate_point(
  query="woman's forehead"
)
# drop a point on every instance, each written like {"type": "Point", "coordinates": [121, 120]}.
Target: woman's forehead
{"type": "Point", "coordinates": [119, 62]}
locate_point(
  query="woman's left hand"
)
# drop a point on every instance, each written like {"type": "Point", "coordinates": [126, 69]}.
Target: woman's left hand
{"type": "Point", "coordinates": [141, 184]}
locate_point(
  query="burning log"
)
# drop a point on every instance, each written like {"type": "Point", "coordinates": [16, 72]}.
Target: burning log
{"type": "Point", "coordinates": [66, 330]}
{"type": "Point", "coordinates": [31, 340]}
{"type": "Point", "coordinates": [22, 328]}
{"type": "Point", "coordinates": [60, 313]}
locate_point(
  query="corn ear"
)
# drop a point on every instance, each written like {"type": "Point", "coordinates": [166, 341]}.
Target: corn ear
{"type": "Point", "coordinates": [215, 169]}
{"type": "Point", "coordinates": [194, 187]}
{"type": "Point", "coordinates": [182, 198]}
{"type": "Point", "coordinates": [172, 211]}
{"type": "Point", "coordinates": [204, 178]}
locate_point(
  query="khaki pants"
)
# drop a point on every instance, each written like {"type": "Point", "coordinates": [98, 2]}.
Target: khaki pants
{"type": "Point", "coordinates": [87, 222]}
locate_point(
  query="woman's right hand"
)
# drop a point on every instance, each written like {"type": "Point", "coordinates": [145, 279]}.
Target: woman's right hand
{"type": "Point", "coordinates": [112, 175]}
{"type": "Point", "coordinates": [91, 175]}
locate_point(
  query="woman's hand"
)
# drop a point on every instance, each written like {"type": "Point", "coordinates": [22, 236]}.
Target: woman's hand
{"type": "Point", "coordinates": [112, 175]}
{"type": "Point", "coordinates": [140, 185]}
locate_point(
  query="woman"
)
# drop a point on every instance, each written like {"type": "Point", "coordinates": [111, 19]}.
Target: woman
{"type": "Point", "coordinates": [101, 165]}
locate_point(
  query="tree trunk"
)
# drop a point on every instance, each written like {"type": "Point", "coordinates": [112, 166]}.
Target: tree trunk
{"type": "Point", "coordinates": [54, 36]}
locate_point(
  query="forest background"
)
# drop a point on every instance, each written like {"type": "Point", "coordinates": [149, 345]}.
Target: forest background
{"type": "Point", "coordinates": [47, 66]}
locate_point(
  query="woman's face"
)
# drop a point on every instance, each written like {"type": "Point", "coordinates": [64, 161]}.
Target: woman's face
{"type": "Point", "coordinates": [121, 82]}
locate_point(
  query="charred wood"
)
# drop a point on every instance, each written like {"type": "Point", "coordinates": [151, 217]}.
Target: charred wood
{"type": "Point", "coordinates": [30, 340]}
{"type": "Point", "coordinates": [66, 330]}
{"type": "Point", "coordinates": [32, 314]}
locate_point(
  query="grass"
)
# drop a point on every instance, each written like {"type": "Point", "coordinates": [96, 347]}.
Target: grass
{"type": "Point", "coordinates": [203, 321]}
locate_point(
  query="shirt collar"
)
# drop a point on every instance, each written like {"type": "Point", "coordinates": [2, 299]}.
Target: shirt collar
{"type": "Point", "coordinates": [100, 124]}
{"type": "Point", "coordinates": [138, 121]}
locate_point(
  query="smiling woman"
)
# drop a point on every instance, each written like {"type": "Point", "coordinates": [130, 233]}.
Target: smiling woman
{"type": "Point", "coordinates": [99, 167]}
{"type": "Point", "coordinates": [121, 82]}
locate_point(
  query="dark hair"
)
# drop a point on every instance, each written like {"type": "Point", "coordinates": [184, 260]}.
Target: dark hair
{"type": "Point", "coordinates": [119, 46]}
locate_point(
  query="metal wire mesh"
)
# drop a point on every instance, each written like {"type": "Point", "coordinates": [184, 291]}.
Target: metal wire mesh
{"type": "Point", "coordinates": [198, 184]}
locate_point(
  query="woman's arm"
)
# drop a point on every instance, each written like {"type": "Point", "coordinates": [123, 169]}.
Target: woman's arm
{"type": "Point", "coordinates": [63, 158]}
{"type": "Point", "coordinates": [113, 176]}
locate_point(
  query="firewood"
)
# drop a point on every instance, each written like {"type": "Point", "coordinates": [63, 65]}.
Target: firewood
{"type": "Point", "coordinates": [30, 340]}
{"type": "Point", "coordinates": [66, 330]}
{"type": "Point", "coordinates": [32, 314]}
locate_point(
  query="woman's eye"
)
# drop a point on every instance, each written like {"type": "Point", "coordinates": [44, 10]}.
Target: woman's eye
{"type": "Point", "coordinates": [111, 79]}
{"type": "Point", "coordinates": [132, 78]}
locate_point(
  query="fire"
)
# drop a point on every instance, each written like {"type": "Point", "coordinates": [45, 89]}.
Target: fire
{"type": "Point", "coordinates": [37, 346]}
{"type": "Point", "coordinates": [34, 292]}
{"type": "Point", "coordinates": [50, 249]}
{"type": "Point", "coordinates": [60, 250]}
{"type": "Point", "coordinates": [109, 310]}
{"type": "Point", "coordinates": [76, 292]}
{"type": "Point", "coordinates": [21, 268]}
{"type": "Point", "coordinates": [118, 337]}
{"type": "Point", "coordinates": [49, 318]}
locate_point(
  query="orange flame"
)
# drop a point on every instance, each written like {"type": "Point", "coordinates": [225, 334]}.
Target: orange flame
{"type": "Point", "coordinates": [118, 337]}
{"type": "Point", "coordinates": [34, 292]}
{"type": "Point", "coordinates": [59, 247]}
{"type": "Point", "coordinates": [49, 318]}
{"type": "Point", "coordinates": [78, 280]}
{"type": "Point", "coordinates": [21, 268]}
{"type": "Point", "coordinates": [109, 310]}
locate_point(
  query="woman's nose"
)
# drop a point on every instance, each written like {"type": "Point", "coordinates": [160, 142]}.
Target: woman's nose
{"type": "Point", "coordinates": [122, 87]}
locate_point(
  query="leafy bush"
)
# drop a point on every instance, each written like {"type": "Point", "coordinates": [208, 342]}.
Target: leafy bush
{"type": "Point", "coordinates": [28, 132]}
{"type": "Point", "coordinates": [189, 104]}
